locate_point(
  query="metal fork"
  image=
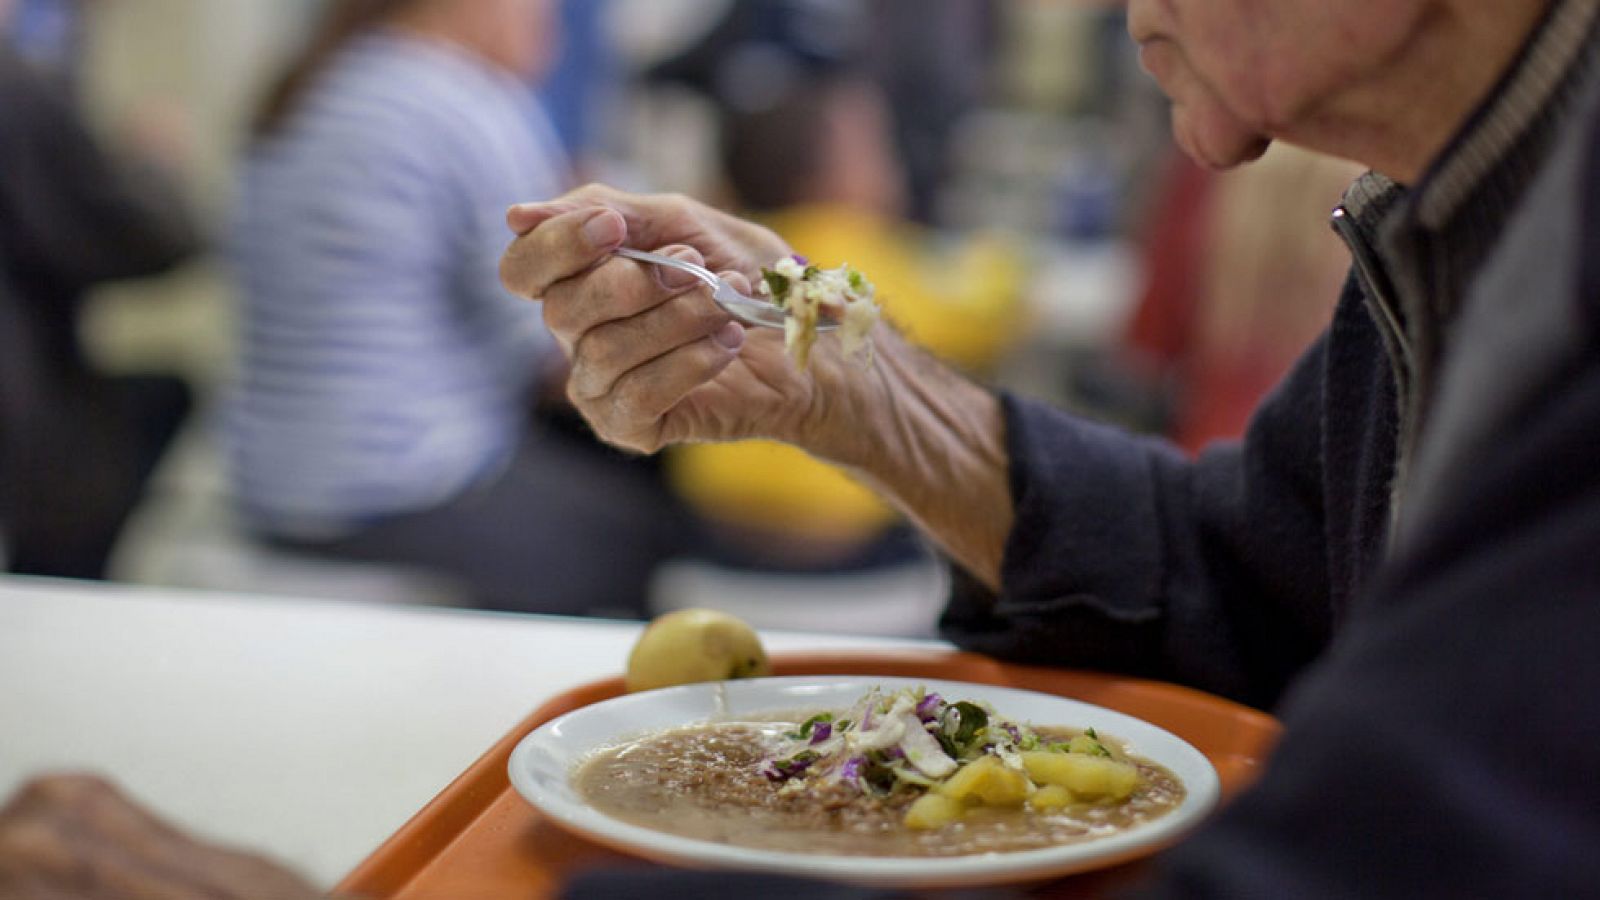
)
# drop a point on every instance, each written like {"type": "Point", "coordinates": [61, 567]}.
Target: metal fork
{"type": "Point", "coordinates": [749, 310]}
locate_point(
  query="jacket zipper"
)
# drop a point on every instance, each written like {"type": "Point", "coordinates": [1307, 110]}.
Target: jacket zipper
{"type": "Point", "coordinates": [1376, 282]}
{"type": "Point", "coordinates": [1378, 295]}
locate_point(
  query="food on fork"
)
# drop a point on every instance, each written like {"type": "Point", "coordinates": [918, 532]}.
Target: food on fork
{"type": "Point", "coordinates": [807, 292]}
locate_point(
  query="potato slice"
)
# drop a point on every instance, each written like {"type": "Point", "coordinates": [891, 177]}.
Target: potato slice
{"type": "Point", "coordinates": [1051, 796]}
{"type": "Point", "coordinates": [1090, 777]}
{"type": "Point", "coordinates": [986, 780]}
{"type": "Point", "coordinates": [932, 811]}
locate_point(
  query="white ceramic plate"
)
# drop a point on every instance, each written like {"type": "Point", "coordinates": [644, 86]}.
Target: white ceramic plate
{"type": "Point", "coordinates": [542, 765]}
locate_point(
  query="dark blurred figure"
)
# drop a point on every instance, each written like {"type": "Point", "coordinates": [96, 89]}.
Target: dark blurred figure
{"type": "Point", "coordinates": [76, 445]}
{"type": "Point", "coordinates": [929, 59]}
{"type": "Point", "coordinates": [807, 145]}
{"type": "Point", "coordinates": [932, 60]}
{"type": "Point", "coordinates": [49, 34]}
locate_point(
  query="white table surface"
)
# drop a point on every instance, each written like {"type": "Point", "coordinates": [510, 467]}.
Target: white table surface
{"type": "Point", "coordinates": [309, 730]}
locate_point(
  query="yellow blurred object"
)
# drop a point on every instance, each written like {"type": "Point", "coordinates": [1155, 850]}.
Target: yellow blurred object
{"type": "Point", "coordinates": [961, 302]}
{"type": "Point", "coordinates": [694, 645]}
{"type": "Point", "coordinates": [777, 487]}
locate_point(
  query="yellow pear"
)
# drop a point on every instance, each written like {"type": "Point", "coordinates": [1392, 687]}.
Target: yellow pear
{"type": "Point", "coordinates": [692, 645]}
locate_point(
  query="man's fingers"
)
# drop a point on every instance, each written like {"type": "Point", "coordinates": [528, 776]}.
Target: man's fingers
{"type": "Point", "coordinates": [652, 220]}
{"type": "Point", "coordinates": [617, 289]}
{"type": "Point", "coordinates": [608, 352]}
{"type": "Point", "coordinates": [739, 282]}
{"type": "Point", "coordinates": [559, 248]}
{"type": "Point", "coordinates": [58, 793]}
{"type": "Point", "coordinates": [525, 217]}
{"type": "Point", "coordinates": [644, 394]}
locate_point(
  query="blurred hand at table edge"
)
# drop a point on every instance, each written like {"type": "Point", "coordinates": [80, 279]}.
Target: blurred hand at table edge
{"type": "Point", "coordinates": [656, 362]}
{"type": "Point", "coordinates": [79, 836]}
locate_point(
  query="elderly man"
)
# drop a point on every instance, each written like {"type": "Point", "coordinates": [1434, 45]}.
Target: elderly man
{"type": "Point", "coordinates": [1401, 555]}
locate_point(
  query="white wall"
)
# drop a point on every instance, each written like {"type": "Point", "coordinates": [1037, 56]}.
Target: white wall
{"type": "Point", "coordinates": [192, 70]}
{"type": "Point", "coordinates": [203, 61]}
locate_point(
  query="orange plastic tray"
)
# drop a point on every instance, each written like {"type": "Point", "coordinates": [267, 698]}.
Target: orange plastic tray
{"type": "Point", "coordinates": [480, 839]}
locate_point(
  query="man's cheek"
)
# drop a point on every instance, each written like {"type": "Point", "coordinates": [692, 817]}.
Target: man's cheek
{"type": "Point", "coordinates": [1159, 59]}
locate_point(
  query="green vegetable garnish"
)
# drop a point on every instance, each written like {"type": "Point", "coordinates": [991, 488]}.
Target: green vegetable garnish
{"type": "Point", "coordinates": [960, 737]}
{"type": "Point", "coordinates": [879, 775]}
{"type": "Point", "coordinates": [777, 286]}
{"type": "Point", "coordinates": [808, 726]}
{"type": "Point", "coordinates": [1088, 744]}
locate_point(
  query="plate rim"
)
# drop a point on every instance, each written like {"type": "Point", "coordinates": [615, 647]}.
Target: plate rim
{"type": "Point", "coordinates": [1203, 790]}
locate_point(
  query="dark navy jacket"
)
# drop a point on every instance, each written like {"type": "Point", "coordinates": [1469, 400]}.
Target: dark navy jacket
{"type": "Point", "coordinates": [1441, 692]}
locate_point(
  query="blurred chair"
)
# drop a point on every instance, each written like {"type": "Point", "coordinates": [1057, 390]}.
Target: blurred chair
{"type": "Point", "coordinates": [187, 534]}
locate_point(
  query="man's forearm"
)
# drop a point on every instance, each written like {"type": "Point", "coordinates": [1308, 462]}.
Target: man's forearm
{"type": "Point", "coordinates": [933, 443]}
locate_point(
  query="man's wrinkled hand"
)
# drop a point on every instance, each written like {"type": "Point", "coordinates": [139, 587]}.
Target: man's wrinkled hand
{"type": "Point", "coordinates": [654, 360]}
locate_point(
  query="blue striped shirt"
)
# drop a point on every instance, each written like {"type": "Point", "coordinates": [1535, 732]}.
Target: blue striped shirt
{"type": "Point", "coordinates": [382, 367]}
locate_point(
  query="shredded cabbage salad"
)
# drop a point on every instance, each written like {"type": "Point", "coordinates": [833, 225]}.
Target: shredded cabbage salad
{"type": "Point", "coordinates": [960, 754]}
{"type": "Point", "coordinates": [806, 292]}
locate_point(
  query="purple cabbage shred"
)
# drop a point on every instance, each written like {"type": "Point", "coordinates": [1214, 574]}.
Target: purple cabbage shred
{"type": "Point", "coordinates": [783, 770]}
{"type": "Point", "coordinates": [851, 772]}
{"type": "Point", "coordinates": [821, 732]}
{"type": "Point", "coordinates": [928, 709]}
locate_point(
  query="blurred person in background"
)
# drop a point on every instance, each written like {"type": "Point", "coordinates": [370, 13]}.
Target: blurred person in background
{"type": "Point", "coordinates": [49, 33]}
{"type": "Point", "coordinates": [807, 147]}
{"type": "Point", "coordinates": [932, 61]}
{"type": "Point", "coordinates": [383, 407]}
{"type": "Point", "coordinates": [582, 88]}
{"type": "Point", "coordinates": [77, 445]}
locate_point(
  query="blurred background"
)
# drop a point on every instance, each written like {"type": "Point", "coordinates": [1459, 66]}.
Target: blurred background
{"type": "Point", "coordinates": [246, 296]}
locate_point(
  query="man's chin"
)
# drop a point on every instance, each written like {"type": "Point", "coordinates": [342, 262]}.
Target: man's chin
{"type": "Point", "coordinates": [1220, 147]}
